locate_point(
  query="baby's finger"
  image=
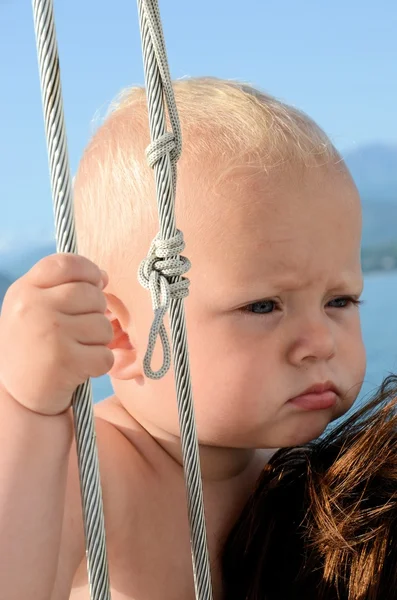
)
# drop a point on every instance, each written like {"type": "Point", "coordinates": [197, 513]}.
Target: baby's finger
{"type": "Point", "coordinates": [90, 330]}
{"type": "Point", "coordinates": [93, 361]}
{"type": "Point", "coordinates": [77, 299]}
{"type": "Point", "coordinates": [59, 269]}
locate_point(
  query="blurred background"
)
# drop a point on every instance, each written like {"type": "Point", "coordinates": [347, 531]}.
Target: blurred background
{"type": "Point", "coordinates": [336, 61]}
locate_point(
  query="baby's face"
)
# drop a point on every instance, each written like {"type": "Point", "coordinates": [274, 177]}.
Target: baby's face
{"type": "Point", "coordinates": [272, 309]}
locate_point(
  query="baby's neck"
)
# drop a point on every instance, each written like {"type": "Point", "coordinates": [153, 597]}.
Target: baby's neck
{"type": "Point", "coordinates": [217, 464]}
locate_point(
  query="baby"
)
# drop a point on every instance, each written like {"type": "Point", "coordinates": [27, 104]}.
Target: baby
{"type": "Point", "coordinates": [272, 223]}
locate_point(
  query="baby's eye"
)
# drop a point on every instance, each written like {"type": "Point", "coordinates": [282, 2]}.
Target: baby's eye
{"type": "Point", "coordinates": [343, 302]}
{"type": "Point", "coordinates": [261, 308]}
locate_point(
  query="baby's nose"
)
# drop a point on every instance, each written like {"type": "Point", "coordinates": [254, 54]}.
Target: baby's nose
{"type": "Point", "coordinates": [314, 340]}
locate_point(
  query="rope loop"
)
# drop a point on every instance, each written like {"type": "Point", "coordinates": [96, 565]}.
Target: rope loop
{"type": "Point", "coordinates": [156, 273]}
{"type": "Point", "coordinates": [163, 145]}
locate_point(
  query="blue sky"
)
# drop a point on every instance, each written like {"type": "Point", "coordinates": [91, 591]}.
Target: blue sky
{"type": "Point", "coordinates": [337, 60]}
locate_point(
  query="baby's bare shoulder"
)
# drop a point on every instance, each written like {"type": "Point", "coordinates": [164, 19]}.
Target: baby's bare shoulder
{"type": "Point", "coordinates": [135, 469]}
{"type": "Point", "coordinates": [122, 470]}
{"type": "Point", "coordinates": [127, 458]}
{"type": "Point", "coordinates": [129, 480]}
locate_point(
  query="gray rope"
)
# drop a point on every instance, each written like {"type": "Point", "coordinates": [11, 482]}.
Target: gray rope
{"type": "Point", "coordinates": [168, 289]}
{"type": "Point", "coordinates": [163, 261]}
{"type": "Point", "coordinates": [61, 185]}
{"type": "Point", "coordinates": [163, 154]}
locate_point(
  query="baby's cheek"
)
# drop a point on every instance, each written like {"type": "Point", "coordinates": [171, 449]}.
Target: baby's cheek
{"type": "Point", "coordinates": [358, 369]}
{"type": "Point", "coordinates": [230, 400]}
{"type": "Point", "coordinates": [355, 352]}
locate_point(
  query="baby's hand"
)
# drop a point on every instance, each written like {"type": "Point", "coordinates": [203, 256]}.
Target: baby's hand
{"type": "Point", "coordinates": [54, 332]}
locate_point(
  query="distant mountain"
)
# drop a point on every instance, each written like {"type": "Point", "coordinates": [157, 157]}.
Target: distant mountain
{"type": "Point", "coordinates": [379, 223]}
{"type": "Point", "coordinates": [374, 169]}
{"type": "Point", "coordinates": [17, 263]}
{"type": "Point", "coordinates": [5, 283]}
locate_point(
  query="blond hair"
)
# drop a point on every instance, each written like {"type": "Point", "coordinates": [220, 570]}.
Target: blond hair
{"type": "Point", "coordinates": [223, 122]}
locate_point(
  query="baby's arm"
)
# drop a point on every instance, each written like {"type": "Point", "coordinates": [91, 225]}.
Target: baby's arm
{"type": "Point", "coordinates": [53, 335]}
{"type": "Point", "coordinates": [34, 451]}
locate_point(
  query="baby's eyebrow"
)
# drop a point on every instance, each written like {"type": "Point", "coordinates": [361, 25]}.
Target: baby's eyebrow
{"type": "Point", "coordinates": [350, 281]}
{"type": "Point", "coordinates": [260, 287]}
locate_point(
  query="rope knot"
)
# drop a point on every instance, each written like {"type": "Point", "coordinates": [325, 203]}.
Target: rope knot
{"type": "Point", "coordinates": [165, 144]}
{"type": "Point", "coordinates": [156, 273]}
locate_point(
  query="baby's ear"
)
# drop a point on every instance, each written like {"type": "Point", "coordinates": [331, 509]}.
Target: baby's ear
{"type": "Point", "coordinates": [125, 366]}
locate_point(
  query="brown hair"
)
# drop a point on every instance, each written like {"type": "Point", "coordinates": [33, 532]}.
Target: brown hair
{"type": "Point", "coordinates": [322, 521]}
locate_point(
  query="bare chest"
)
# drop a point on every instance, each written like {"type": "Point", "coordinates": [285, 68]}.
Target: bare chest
{"type": "Point", "coordinates": [149, 551]}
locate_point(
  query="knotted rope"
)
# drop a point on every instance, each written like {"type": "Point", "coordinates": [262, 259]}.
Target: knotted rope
{"type": "Point", "coordinates": [163, 262]}
{"type": "Point", "coordinates": [161, 272]}
{"type": "Point", "coordinates": [162, 154]}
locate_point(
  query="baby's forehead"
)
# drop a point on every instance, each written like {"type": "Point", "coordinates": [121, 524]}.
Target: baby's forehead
{"type": "Point", "coordinates": [239, 147]}
{"type": "Point", "coordinates": [272, 216]}
{"type": "Point", "coordinates": [229, 188]}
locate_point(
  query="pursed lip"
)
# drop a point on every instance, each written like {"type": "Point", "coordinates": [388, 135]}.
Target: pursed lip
{"type": "Point", "coordinates": [319, 388]}
{"type": "Point", "coordinates": [318, 396]}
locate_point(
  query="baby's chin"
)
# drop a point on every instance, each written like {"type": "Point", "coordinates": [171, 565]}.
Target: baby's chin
{"type": "Point", "coordinates": [293, 430]}
{"type": "Point", "coordinates": [302, 428]}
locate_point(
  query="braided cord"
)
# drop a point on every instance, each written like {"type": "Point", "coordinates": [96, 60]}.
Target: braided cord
{"type": "Point", "coordinates": [163, 154]}
{"type": "Point", "coordinates": [62, 195]}
{"type": "Point", "coordinates": [168, 288]}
